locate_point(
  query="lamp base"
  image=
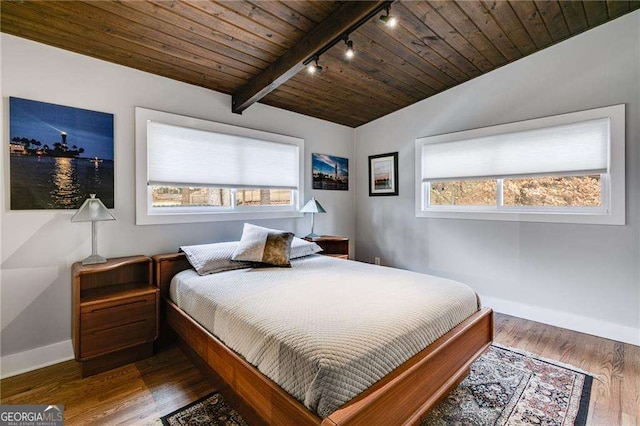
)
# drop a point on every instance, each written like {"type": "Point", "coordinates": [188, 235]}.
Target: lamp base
{"type": "Point", "coordinates": [93, 259]}
{"type": "Point", "coordinates": [312, 235]}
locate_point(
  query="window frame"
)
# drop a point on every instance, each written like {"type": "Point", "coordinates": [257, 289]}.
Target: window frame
{"type": "Point", "coordinates": [232, 208]}
{"type": "Point", "coordinates": [146, 214]}
{"type": "Point", "coordinates": [612, 211]}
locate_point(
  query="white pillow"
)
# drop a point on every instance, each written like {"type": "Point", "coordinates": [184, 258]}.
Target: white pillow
{"type": "Point", "coordinates": [302, 248]}
{"type": "Point", "coordinates": [212, 258]}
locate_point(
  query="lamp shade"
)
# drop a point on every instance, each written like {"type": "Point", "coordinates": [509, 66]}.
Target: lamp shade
{"type": "Point", "coordinates": [92, 210]}
{"type": "Point", "coordinates": [313, 206]}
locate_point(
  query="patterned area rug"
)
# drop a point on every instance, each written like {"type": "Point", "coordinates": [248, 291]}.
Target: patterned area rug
{"type": "Point", "coordinates": [210, 410]}
{"type": "Point", "coordinates": [505, 387]}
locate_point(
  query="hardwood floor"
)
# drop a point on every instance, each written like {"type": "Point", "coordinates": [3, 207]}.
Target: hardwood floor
{"type": "Point", "coordinates": [139, 393]}
{"type": "Point", "coordinates": [135, 394]}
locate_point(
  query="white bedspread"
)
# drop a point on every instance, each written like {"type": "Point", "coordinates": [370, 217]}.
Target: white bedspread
{"type": "Point", "coordinates": [326, 329]}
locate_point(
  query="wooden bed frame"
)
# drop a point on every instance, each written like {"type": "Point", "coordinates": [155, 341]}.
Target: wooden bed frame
{"type": "Point", "coordinates": [400, 398]}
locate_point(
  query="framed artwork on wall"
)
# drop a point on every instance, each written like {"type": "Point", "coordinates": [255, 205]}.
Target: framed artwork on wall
{"type": "Point", "coordinates": [330, 172]}
{"type": "Point", "coordinates": [383, 174]}
{"type": "Point", "coordinates": [58, 155]}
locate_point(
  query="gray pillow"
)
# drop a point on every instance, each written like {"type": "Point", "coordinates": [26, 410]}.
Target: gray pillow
{"type": "Point", "coordinates": [264, 245]}
{"type": "Point", "coordinates": [212, 258]}
{"type": "Point", "coordinates": [302, 248]}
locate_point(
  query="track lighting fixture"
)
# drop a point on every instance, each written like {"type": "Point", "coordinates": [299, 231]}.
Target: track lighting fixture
{"type": "Point", "coordinates": [387, 19]}
{"type": "Point", "coordinates": [350, 53]}
{"type": "Point", "coordinates": [314, 68]}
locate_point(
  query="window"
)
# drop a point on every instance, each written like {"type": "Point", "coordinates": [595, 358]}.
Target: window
{"type": "Point", "coordinates": [191, 170]}
{"type": "Point", "coordinates": [548, 191]}
{"type": "Point", "coordinates": [463, 193]}
{"type": "Point", "coordinates": [175, 196]}
{"type": "Point", "coordinates": [264, 197]}
{"type": "Point", "coordinates": [553, 191]}
{"type": "Point", "coordinates": [567, 168]}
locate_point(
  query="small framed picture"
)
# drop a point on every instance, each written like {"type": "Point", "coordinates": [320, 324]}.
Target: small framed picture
{"type": "Point", "coordinates": [330, 172]}
{"type": "Point", "coordinates": [383, 174]}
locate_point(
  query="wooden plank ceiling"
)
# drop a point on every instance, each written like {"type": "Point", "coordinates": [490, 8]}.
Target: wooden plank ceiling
{"type": "Point", "coordinates": [223, 45]}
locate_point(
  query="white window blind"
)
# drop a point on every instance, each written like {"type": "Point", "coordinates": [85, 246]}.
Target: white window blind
{"type": "Point", "coordinates": [576, 148]}
{"type": "Point", "coordinates": [182, 156]}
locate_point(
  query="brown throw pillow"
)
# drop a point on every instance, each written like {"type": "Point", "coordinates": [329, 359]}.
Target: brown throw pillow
{"type": "Point", "coordinates": [264, 245]}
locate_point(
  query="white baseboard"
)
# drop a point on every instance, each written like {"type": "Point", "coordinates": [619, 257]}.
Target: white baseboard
{"type": "Point", "coordinates": [574, 322]}
{"type": "Point", "coordinates": [33, 359]}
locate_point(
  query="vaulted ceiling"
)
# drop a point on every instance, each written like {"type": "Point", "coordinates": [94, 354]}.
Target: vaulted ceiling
{"type": "Point", "coordinates": [224, 45]}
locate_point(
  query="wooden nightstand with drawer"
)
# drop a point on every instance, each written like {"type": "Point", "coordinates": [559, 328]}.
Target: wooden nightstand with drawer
{"type": "Point", "coordinates": [115, 313]}
{"type": "Point", "coordinates": [332, 246]}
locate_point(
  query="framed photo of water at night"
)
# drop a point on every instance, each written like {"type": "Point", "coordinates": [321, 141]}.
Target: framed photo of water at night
{"type": "Point", "coordinates": [330, 172]}
{"type": "Point", "coordinates": [58, 155]}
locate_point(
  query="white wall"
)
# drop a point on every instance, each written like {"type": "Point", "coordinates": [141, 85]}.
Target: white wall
{"type": "Point", "coordinates": [578, 276]}
{"type": "Point", "coordinates": [584, 277]}
{"type": "Point", "coordinates": [38, 247]}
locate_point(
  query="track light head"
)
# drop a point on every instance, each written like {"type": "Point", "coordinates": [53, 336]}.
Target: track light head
{"type": "Point", "coordinates": [392, 22]}
{"type": "Point", "coordinates": [387, 19]}
{"type": "Point", "coordinates": [314, 67]}
{"type": "Point", "coordinates": [350, 53]}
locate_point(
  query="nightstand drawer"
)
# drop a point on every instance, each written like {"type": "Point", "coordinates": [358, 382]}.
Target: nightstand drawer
{"type": "Point", "coordinates": [111, 338]}
{"type": "Point", "coordinates": [115, 324]}
{"type": "Point", "coordinates": [117, 312]}
{"type": "Point", "coordinates": [118, 306]}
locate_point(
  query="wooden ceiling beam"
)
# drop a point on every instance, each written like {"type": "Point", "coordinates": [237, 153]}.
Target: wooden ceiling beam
{"type": "Point", "coordinates": [344, 19]}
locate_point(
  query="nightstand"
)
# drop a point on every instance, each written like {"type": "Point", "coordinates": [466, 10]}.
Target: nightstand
{"type": "Point", "coordinates": [332, 246]}
{"type": "Point", "coordinates": [115, 313]}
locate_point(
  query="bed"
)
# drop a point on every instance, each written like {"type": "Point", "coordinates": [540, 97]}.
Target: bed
{"type": "Point", "coordinates": [313, 344]}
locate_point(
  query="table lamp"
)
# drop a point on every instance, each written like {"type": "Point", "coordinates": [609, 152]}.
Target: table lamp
{"type": "Point", "coordinates": [313, 207]}
{"type": "Point", "coordinates": [92, 210]}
